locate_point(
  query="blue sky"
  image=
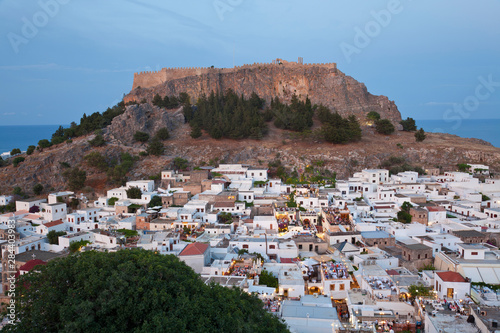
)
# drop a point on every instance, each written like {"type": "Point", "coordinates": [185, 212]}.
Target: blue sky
{"type": "Point", "coordinates": [63, 58]}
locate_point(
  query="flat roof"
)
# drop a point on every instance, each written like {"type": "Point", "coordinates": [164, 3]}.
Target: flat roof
{"type": "Point", "coordinates": [375, 234]}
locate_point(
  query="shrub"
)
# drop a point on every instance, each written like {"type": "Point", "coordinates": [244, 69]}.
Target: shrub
{"type": "Point", "coordinates": [180, 163]}
{"type": "Point", "coordinates": [408, 124]}
{"type": "Point", "coordinates": [30, 150]}
{"type": "Point", "coordinates": [155, 148]}
{"type": "Point", "coordinates": [17, 160]}
{"type": "Point", "coordinates": [53, 236]}
{"type": "Point", "coordinates": [96, 160]}
{"type": "Point", "coordinates": [420, 135]}
{"type": "Point", "coordinates": [15, 151]}
{"type": "Point", "coordinates": [44, 143]}
{"type": "Point", "coordinates": [372, 115]}
{"type": "Point", "coordinates": [384, 126]}
{"type": "Point", "coordinates": [38, 189]}
{"type": "Point", "coordinates": [112, 201]}
{"type": "Point", "coordinates": [141, 136]}
{"type": "Point", "coordinates": [97, 141]}
{"type": "Point", "coordinates": [134, 193]}
{"type": "Point", "coordinates": [162, 134]}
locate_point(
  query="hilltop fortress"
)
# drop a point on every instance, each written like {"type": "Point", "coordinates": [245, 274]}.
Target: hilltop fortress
{"type": "Point", "coordinates": [323, 83]}
{"type": "Point", "coordinates": [148, 79]}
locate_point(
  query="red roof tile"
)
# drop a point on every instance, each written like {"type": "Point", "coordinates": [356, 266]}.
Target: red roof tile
{"type": "Point", "coordinates": [31, 264]}
{"type": "Point", "coordinates": [288, 260]}
{"type": "Point", "coordinates": [53, 223]}
{"type": "Point", "coordinates": [435, 209]}
{"type": "Point", "coordinates": [392, 272]}
{"type": "Point", "coordinates": [194, 249]}
{"type": "Point", "coordinates": [451, 277]}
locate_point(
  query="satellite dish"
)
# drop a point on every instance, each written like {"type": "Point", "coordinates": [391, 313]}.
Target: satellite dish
{"type": "Point", "coordinates": [336, 253]}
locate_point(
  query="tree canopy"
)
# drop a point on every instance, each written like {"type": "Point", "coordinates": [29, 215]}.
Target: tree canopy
{"type": "Point", "coordinates": [384, 126]}
{"type": "Point", "coordinates": [227, 116]}
{"type": "Point", "coordinates": [420, 135]}
{"type": "Point", "coordinates": [337, 129]}
{"type": "Point", "coordinates": [408, 124]}
{"type": "Point", "coordinates": [132, 291]}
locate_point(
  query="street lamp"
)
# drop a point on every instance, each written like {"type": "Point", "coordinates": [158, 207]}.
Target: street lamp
{"type": "Point", "coordinates": [307, 315]}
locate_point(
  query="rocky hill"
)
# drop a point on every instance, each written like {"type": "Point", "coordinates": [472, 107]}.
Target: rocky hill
{"type": "Point", "coordinates": [322, 83]}
{"type": "Point", "coordinates": [292, 150]}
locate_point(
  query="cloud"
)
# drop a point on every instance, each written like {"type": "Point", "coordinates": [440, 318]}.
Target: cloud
{"type": "Point", "coordinates": [8, 113]}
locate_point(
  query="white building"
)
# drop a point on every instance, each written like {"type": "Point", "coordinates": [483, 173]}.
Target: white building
{"type": "Point", "coordinates": [451, 286]}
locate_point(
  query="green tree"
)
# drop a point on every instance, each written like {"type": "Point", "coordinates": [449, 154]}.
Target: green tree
{"type": "Point", "coordinates": [463, 167]}
{"type": "Point", "coordinates": [404, 217]}
{"type": "Point", "coordinates": [132, 291]}
{"type": "Point", "coordinates": [162, 134]}
{"type": "Point", "coordinates": [38, 189]}
{"type": "Point", "coordinates": [128, 233]}
{"type": "Point", "coordinates": [77, 245]}
{"type": "Point", "coordinates": [18, 191]}
{"type": "Point", "coordinates": [406, 206]}
{"type": "Point", "coordinates": [195, 131]}
{"type": "Point", "coordinates": [158, 101]}
{"type": "Point", "coordinates": [75, 178]}
{"type": "Point", "coordinates": [134, 193]}
{"type": "Point", "coordinates": [268, 279]}
{"type": "Point", "coordinates": [384, 126]}
{"type": "Point", "coordinates": [155, 147]}
{"type": "Point", "coordinates": [15, 151]}
{"type": "Point", "coordinates": [180, 163]}
{"type": "Point", "coordinates": [155, 201]}
{"type": "Point", "coordinates": [420, 135]}
{"type": "Point", "coordinates": [112, 201]}
{"type": "Point", "coordinates": [408, 124]}
{"type": "Point", "coordinates": [44, 143]}
{"type": "Point", "coordinates": [141, 136]}
{"type": "Point", "coordinates": [373, 116]}
{"type": "Point", "coordinates": [17, 160]}
{"type": "Point", "coordinates": [53, 236]}
{"type": "Point", "coordinates": [30, 150]}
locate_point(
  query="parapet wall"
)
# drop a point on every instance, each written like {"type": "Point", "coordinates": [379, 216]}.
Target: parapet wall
{"type": "Point", "coordinates": [153, 78]}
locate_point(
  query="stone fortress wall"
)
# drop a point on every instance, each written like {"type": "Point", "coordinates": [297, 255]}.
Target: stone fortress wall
{"type": "Point", "coordinates": [153, 78]}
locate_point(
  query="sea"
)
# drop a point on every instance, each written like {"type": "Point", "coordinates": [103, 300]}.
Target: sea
{"type": "Point", "coordinates": [23, 136]}
{"type": "Point", "coordinates": [486, 129]}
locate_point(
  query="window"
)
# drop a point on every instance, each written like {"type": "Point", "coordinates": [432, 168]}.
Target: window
{"type": "Point", "coordinates": [272, 247]}
{"type": "Point", "coordinates": [245, 246]}
{"type": "Point", "coordinates": [332, 287]}
{"type": "Point", "coordinates": [473, 253]}
{"type": "Point", "coordinates": [418, 256]}
{"type": "Point", "coordinates": [342, 287]}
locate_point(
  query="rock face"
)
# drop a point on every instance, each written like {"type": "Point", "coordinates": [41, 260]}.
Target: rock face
{"type": "Point", "coordinates": [322, 83]}
{"type": "Point", "coordinates": [144, 118]}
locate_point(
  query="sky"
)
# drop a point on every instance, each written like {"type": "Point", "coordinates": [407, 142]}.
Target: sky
{"type": "Point", "coordinates": [62, 58]}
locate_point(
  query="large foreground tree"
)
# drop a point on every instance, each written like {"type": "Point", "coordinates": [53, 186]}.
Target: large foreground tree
{"type": "Point", "coordinates": [132, 291]}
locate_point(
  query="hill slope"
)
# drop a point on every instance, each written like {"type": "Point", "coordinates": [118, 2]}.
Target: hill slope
{"type": "Point", "coordinates": [291, 149]}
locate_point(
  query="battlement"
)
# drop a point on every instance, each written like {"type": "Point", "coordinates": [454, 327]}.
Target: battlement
{"type": "Point", "coordinates": [147, 79]}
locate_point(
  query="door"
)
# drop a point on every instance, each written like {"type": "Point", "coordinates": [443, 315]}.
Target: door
{"type": "Point", "coordinates": [450, 292]}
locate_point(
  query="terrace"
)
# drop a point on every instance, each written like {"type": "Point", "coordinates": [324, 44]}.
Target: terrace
{"type": "Point", "coordinates": [334, 271]}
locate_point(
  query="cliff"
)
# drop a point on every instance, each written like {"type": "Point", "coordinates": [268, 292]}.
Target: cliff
{"type": "Point", "coordinates": [322, 83]}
